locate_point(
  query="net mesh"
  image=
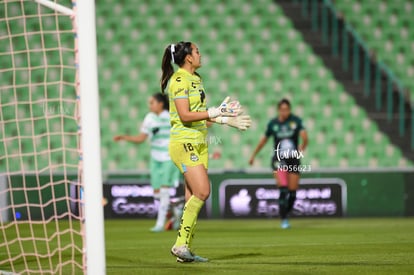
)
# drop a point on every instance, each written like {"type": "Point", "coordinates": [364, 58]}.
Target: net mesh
{"type": "Point", "coordinates": [40, 223]}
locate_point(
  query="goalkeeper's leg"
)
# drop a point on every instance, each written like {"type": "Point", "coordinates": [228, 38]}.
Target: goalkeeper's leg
{"type": "Point", "coordinates": [193, 164]}
{"type": "Point", "coordinates": [197, 181]}
{"type": "Point", "coordinates": [191, 233]}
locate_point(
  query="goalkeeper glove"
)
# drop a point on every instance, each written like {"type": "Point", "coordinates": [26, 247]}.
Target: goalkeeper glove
{"type": "Point", "coordinates": [226, 109]}
{"type": "Point", "coordinates": [241, 122]}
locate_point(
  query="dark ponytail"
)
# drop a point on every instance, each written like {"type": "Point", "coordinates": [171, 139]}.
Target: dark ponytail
{"type": "Point", "coordinates": [163, 98]}
{"type": "Point", "coordinates": [180, 51]}
{"type": "Point", "coordinates": [167, 68]}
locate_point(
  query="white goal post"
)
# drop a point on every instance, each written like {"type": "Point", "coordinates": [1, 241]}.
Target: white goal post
{"type": "Point", "coordinates": [86, 112]}
{"type": "Point", "coordinates": [90, 130]}
{"type": "Point", "coordinates": [91, 142]}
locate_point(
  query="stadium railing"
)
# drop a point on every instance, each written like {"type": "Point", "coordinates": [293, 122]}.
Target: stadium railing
{"type": "Point", "coordinates": [346, 43]}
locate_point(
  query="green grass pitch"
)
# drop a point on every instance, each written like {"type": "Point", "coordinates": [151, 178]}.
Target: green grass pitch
{"type": "Point", "coordinates": [253, 247]}
{"type": "Point", "coordinates": [311, 246]}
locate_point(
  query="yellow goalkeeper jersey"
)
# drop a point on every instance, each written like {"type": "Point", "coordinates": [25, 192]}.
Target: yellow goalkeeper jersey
{"type": "Point", "coordinates": [185, 85]}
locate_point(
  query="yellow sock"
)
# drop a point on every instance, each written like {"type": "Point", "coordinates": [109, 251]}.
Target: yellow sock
{"type": "Point", "coordinates": [190, 213]}
{"type": "Point", "coordinates": [190, 241]}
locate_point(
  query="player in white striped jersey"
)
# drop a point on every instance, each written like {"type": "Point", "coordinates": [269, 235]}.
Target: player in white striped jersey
{"type": "Point", "coordinates": [164, 175]}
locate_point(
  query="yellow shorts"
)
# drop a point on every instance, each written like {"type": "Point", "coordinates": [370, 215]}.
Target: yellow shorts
{"type": "Point", "coordinates": [185, 154]}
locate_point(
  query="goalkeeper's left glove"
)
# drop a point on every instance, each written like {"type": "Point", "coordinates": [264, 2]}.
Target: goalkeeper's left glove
{"type": "Point", "coordinates": [226, 108]}
{"type": "Point", "coordinates": [241, 122]}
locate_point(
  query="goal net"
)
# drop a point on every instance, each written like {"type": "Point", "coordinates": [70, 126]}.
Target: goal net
{"type": "Point", "coordinates": [41, 223]}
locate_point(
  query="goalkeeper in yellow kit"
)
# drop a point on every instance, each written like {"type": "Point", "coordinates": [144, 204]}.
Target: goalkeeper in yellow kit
{"type": "Point", "coordinates": [188, 148]}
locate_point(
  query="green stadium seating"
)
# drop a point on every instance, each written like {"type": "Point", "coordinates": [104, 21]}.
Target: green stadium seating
{"type": "Point", "coordinates": [250, 51]}
{"type": "Point", "coordinates": [388, 28]}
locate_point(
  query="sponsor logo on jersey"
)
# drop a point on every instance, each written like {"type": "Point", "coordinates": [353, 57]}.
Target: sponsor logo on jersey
{"type": "Point", "coordinates": [193, 157]}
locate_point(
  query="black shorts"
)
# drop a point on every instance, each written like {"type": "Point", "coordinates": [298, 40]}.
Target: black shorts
{"type": "Point", "coordinates": [291, 165]}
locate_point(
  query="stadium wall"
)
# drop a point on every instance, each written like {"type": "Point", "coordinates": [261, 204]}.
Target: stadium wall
{"type": "Point", "coordinates": [368, 193]}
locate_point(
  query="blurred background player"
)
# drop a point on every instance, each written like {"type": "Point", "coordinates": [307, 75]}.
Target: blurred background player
{"type": "Point", "coordinates": [163, 173]}
{"type": "Point", "coordinates": [188, 146]}
{"type": "Point", "coordinates": [285, 129]}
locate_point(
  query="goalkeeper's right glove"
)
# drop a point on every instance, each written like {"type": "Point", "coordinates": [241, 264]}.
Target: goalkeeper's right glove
{"type": "Point", "coordinates": [241, 122]}
{"type": "Point", "coordinates": [226, 109]}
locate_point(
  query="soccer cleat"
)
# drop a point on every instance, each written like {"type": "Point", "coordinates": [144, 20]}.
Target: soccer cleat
{"type": "Point", "coordinates": [197, 258]}
{"type": "Point", "coordinates": [200, 259]}
{"type": "Point", "coordinates": [182, 252]}
{"type": "Point", "coordinates": [285, 224]}
{"type": "Point", "coordinates": [157, 229]}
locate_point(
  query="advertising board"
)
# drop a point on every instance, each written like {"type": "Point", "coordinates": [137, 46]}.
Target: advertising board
{"type": "Point", "coordinates": [258, 198]}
